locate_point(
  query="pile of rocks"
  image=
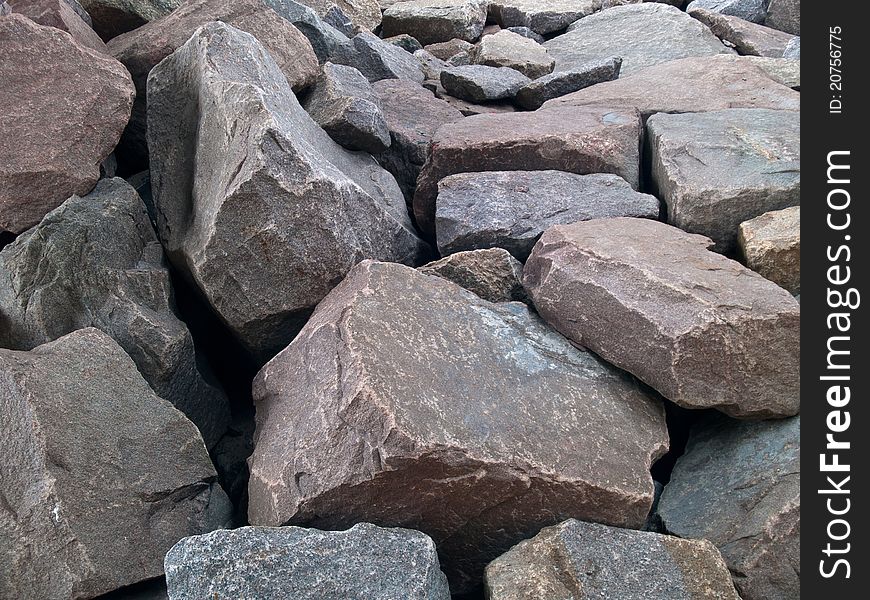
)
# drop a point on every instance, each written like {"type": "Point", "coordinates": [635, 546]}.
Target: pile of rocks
{"type": "Point", "coordinates": [398, 299]}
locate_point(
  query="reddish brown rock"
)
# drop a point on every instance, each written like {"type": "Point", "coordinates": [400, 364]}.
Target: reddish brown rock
{"type": "Point", "coordinates": [64, 108]}
{"type": "Point", "coordinates": [60, 14]}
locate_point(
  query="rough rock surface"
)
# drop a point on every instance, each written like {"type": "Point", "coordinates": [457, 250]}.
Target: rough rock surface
{"type": "Point", "coordinates": [365, 13]}
{"type": "Point", "coordinates": [479, 83]}
{"type": "Point", "coordinates": [99, 478]}
{"type": "Point", "coordinates": [738, 485]}
{"type": "Point", "coordinates": [446, 50]}
{"type": "Point", "coordinates": [345, 106]}
{"type": "Point", "coordinates": [111, 18]}
{"type": "Point", "coordinates": [60, 14]}
{"type": "Point", "coordinates": [782, 70]}
{"type": "Point", "coordinates": [771, 246]}
{"type": "Point", "coordinates": [784, 15]}
{"type": "Point", "coordinates": [509, 49]}
{"type": "Point", "coordinates": [432, 21]}
{"type": "Point", "coordinates": [745, 37]}
{"type": "Point", "coordinates": [558, 84]}
{"type": "Point", "coordinates": [268, 217]}
{"type": "Point", "coordinates": [493, 274]}
{"type": "Point", "coordinates": [703, 330]}
{"type": "Point", "coordinates": [793, 48]}
{"type": "Point", "coordinates": [365, 562]}
{"type": "Point", "coordinates": [389, 367]}
{"type": "Point", "coordinates": [96, 262]}
{"type": "Point", "coordinates": [469, 109]}
{"type": "Point", "coordinates": [64, 108]}
{"type": "Point", "coordinates": [432, 65]}
{"type": "Point", "coordinates": [586, 140]}
{"type": "Point", "coordinates": [586, 561]}
{"type": "Point", "coordinates": [324, 38]}
{"type": "Point", "coordinates": [406, 42]}
{"type": "Point", "coordinates": [642, 34]}
{"type": "Point", "coordinates": [511, 209]}
{"type": "Point", "coordinates": [377, 59]}
{"type": "Point", "coordinates": [715, 170]}
{"type": "Point", "coordinates": [753, 11]}
{"type": "Point", "coordinates": [541, 16]}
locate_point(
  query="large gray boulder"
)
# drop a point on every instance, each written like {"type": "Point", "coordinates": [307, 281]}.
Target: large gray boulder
{"type": "Point", "coordinates": [541, 16]}
{"type": "Point", "coordinates": [703, 330]}
{"type": "Point", "coordinates": [743, 36]}
{"type": "Point", "coordinates": [265, 219]}
{"type": "Point", "coordinates": [364, 13]}
{"type": "Point", "coordinates": [738, 485]}
{"type": "Point", "coordinates": [377, 59]}
{"type": "Point", "coordinates": [433, 21]}
{"type": "Point", "coordinates": [389, 368]}
{"type": "Point", "coordinates": [479, 83]}
{"type": "Point", "coordinates": [718, 169]}
{"type": "Point", "coordinates": [558, 84]}
{"type": "Point", "coordinates": [99, 478]}
{"type": "Point", "coordinates": [771, 246]}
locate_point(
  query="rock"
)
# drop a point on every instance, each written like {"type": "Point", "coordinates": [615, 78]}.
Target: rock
{"type": "Point", "coordinates": [715, 170]}
{"type": "Point", "coordinates": [771, 246]}
{"type": "Point", "coordinates": [541, 16]}
{"type": "Point", "coordinates": [306, 564]}
{"type": "Point", "coordinates": [558, 84]}
{"type": "Point", "coordinates": [753, 11]}
{"type": "Point", "coordinates": [5, 9]}
{"type": "Point", "coordinates": [265, 219]}
{"type": "Point", "coordinates": [793, 48]}
{"type": "Point", "coordinates": [405, 42]}
{"type": "Point", "coordinates": [338, 19]}
{"type": "Point", "coordinates": [449, 49]}
{"type": "Point", "coordinates": [493, 274]}
{"type": "Point", "coordinates": [413, 115]}
{"type": "Point", "coordinates": [689, 85]}
{"type": "Point", "coordinates": [527, 33]}
{"type": "Point", "coordinates": [738, 485]}
{"type": "Point", "coordinates": [511, 209]}
{"type": "Point", "coordinates": [377, 59]}
{"type": "Point", "coordinates": [92, 500]}
{"type": "Point", "coordinates": [479, 83]}
{"type": "Point", "coordinates": [459, 60]}
{"type": "Point", "coordinates": [390, 366]}
{"type": "Point", "coordinates": [745, 37]}
{"type": "Point", "coordinates": [784, 15]}
{"type": "Point", "coordinates": [588, 140]}
{"type": "Point", "coordinates": [432, 66]}
{"type": "Point", "coordinates": [62, 15]}
{"type": "Point", "coordinates": [96, 262]}
{"type": "Point", "coordinates": [509, 49]}
{"type": "Point", "coordinates": [111, 18]}
{"type": "Point", "coordinates": [345, 106]}
{"type": "Point", "coordinates": [701, 329]}
{"type": "Point", "coordinates": [323, 37]}
{"type": "Point", "coordinates": [432, 21]}
{"type": "Point", "coordinates": [57, 129]}
{"type": "Point", "coordinates": [470, 108]}
{"type": "Point", "coordinates": [785, 71]}
{"type": "Point", "coordinates": [364, 13]}
{"type": "Point", "coordinates": [642, 34]}
{"type": "Point", "coordinates": [583, 561]}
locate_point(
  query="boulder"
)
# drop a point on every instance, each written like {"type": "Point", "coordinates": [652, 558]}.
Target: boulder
{"type": "Point", "coordinates": [449, 49]}
{"type": "Point", "coordinates": [716, 169]}
{"type": "Point", "coordinates": [541, 16]}
{"type": "Point", "coordinates": [62, 15]}
{"type": "Point", "coordinates": [265, 219]}
{"type": "Point", "coordinates": [784, 15]}
{"type": "Point", "coordinates": [64, 108]}
{"type": "Point", "coordinates": [753, 11]}
{"type": "Point", "coordinates": [432, 21]}
{"type": "Point", "coordinates": [771, 246]}
{"type": "Point", "coordinates": [793, 48]}
{"type": "Point", "coordinates": [364, 13]}
{"type": "Point", "coordinates": [703, 330]}
{"type": "Point", "coordinates": [306, 564]}
{"type": "Point", "coordinates": [745, 37]}
{"type": "Point", "coordinates": [111, 18]}
{"type": "Point", "coordinates": [493, 274]}
{"type": "Point", "coordinates": [586, 561]}
{"type": "Point", "coordinates": [509, 49]}
{"type": "Point", "coordinates": [432, 65]}
{"type": "Point", "coordinates": [558, 84]}
{"type": "Point", "coordinates": [527, 33]}
{"type": "Point", "coordinates": [389, 366]}
{"type": "Point", "coordinates": [406, 42]}
{"type": "Point", "coordinates": [511, 209]}
{"type": "Point", "coordinates": [95, 262]}
{"type": "Point", "coordinates": [782, 70]}
{"type": "Point", "coordinates": [738, 485]}
{"type": "Point", "coordinates": [377, 59]}
{"type": "Point", "coordinates": [324, 38]}
{"type": "Point", "coordinates": [479, 83]}
{"type": "Point", "coordinates": [100, 477]}
{"type": "Point", "coordinates": [336, 17]}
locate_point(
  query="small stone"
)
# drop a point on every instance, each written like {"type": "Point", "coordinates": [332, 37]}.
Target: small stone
{"type": "Point", "coordinates": [771, 245]}
{"type": "Point", "coordinates": [445, 50]}
{"type": "Point", "coordinates": [784, 15]}
{"type": "Point", "coordinates": [793, 49]}
{"type": "Point", "coordinates": [479, 83]}
{"type": "Point", "coordinates": [509, 49]}
{"type": "Point", "coordinates": [560, 83]}
{"type": "Point", "coordinates": [493, 274]}
{"type": "Point", "coordinates": [405, 42]}
{"type": "Point", "coordinates": [745, 37]}
{"type": "Point", "coordinates": [541, 16]}
{"type": "Point", "coordinates": [432, 21]}
{"type": "Point", "coordinates": [377, 59]}
{"type": "Point", "coordinates": [753, 11]}
{"type": "Point", "coordinates": [62, 15]}
{"type": "Point", "coordinates": [111, 18]}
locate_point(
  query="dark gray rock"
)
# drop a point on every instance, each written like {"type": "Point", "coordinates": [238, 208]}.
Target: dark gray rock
{"type": "Point", "coordinates": [527, 33]}
{"type": "Point", "coordinates": [793, 49]}
{"type": "Point", "coordinates": [306, 564]}
{"type": "Point", "coordinates": [432, 21]}
{"type": "Point", "coordinates": [479, 83]}
{"type": "Point", "coordinates": [782, 70]}
{"type": "Point", "coordinates": [469, 109]}
{"type": "Point", "coordinates": [61, 14]}
{"type": "Point", "coordinates": [509, 49]}
{"type": "Point", "coordinates": [336, 18]}
{"type": "Point", "coordinates": [5, 9]}
{"type": "Point", "coordinates": [377, 59]}
{"type": "Point", "coordinates": [771, 246]}
{"type": "Point", "coordinates": [110, 18]}
{"type": "Point", "coordinates": [323, 37]}
{"type": "Point", "coordinates": [560, 83]}
{"type": "Point", "coordinates": [784, 15]}
{"type": "Point", "coordinates": [743, 36]}
{"type": "Point", "coordinates": [511, 209]}
{"type": "Point", "coordinates": [459, 60]}
{"type": "Point", "coordinates": [541, 16]}
{"type": "Point", "coordinates": [738, 485]}
{"type": "Point", "coordinates": [492, 274]}
{"type": "Point", "coordinates": [406, 42]}
{"type": "Point", "coordinates": [753, 11]}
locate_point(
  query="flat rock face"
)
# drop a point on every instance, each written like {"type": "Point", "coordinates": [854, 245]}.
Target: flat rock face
{"type": "Point", "coordinates": [365, 13]}
{"type": "Point", "coordinates": [793, 48]}
{"type": "Point", "coordinates": [771, 245]}
{"type": "Point", "coordinates": [389, 368]}
{"type": "Point", "coordinates": [95, 262]}
{"type": "Point", "coordinates": [509, 49]}
{"type": "Point", "coordinates": [717, 169]}
{"type": "Point", "coordinates": [268, 217]}
{"type": "Point", "coordinates": [478, 83]}
{"type": "Point", "coordinates": [541, 16]}
{"type": "Point", "coordinates": [783, 70]}
{"type": "Point", "coordinates": [493, 274]}
{"type": "Point", "coordinates": [784, 15]}
{"type": "Point", "coordinates": [753, 11]}
{"type": "Point", "coordinates": [60, 14]}
{"type": "Point", "coordinates": [642, 34]}
{"type": "Point", "coordinates": [324, 38]}
{"type": "Point", "coordinates": [111, 18]}
{"type": "Point", "coordinates": [746, 37]}
{"type": "Point", "coordinates": [64, 108]}
{"type": "Point", "coordinates": [448, 49]}
{"type": "Point", "coordinates": [73, 526]}
{"type": "Point", "coordinates": [511, 209]}
{"type": "Point", "coordinates": [306, 564]}
{"type": "Point", "coordinates": [588, 140]}
{"type": "Point", "coordinates": [555, 85]}
{"type": "Point", "coordinates": [738, 485]}
{"type": "Point", "coordinates": [703, 330]}
{"type": "Point", "coordinates": [586, 561]}
{"type": "Point", "coordinates": [377, 59]}
{"type": "Point", "coordinates": [432, 21]}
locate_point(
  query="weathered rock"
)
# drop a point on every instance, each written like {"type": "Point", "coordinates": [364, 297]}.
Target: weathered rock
{"type": "Point", "coordinates": [64, 108]}
{"type": "Point", "coordinates": [92, 499]}
{"type": "Point", "coordinates": [479, 83]}
{"type": "Point", "coordinates": [377, 59]}
{"type": "Point", "coordinates": [541, 16]}
{"type": "Point", "coordinates": [493, 274]}
{"type": "Point", "coordinates": [365, 13]}
{"type": "Point", "coordinates": [432, 65]}
{"type": "Point", "coordinates": [459, 60]}
{"type": "Point", "coordinates": [111, 18]}
{"type": "Point", "coordinates": [738, 485]}
{"type": "Point", "coordinates": [527, 33]}
{"type": "Point", "coordinates": [782, 70]}
{"type": "Point", "coordinates": [345, 106]}
{"type": "Point", "coordinates": [703, 330]}
{"type": "Point", "coordinates": [509, 49]}
{"type": "Point", "coordinates": [793, 48]}
{"type": "Point", "coordinates": [784, 15]}
{"type": "Point", "coordinates": [413, 115]}
{"type": "Point", "coordinates": [306, 564]}
{"type": "Point", "coordinates": [265, 218]}
{"type": "Point", "coordinates": [470, 108]}
{"type": "Point", "coordinates": [324, 38]}
{"type": "Point", "coordinates": [753, 11]}
{"type": "Point", "coordinates": [96, 262]}
{"type": "Point", "coordinates": [745, 37]}
{"type": "Point", "coordinates": [5, 9]}
{"type": "Point", "coordinates": [62, 15]}
{"type": "Point", "coordinates": [588, 140]}
{"type": "Point", "coordinates": [432, 21]}
{"type": "Point", "coordinates": [561, 83]}
{"type": "Point", "coordinates": [642, 34]}
{"type": "Point", "coordinates": [583, 561]}
{"type": "Point", "coordinates": [446, 50]}
{"type": "Point", "coordinates": [717, 169]}
{"type": "Point", "coordinates": [771, 245]}
{"type": "Point", "coordinates": [511, 209]}
{"type": "Point", "coordinates": [336, 17]}
{"type": "Point", "coordinates": [390, 364]}
{"type": "Point", "coordinates": [406, 42]}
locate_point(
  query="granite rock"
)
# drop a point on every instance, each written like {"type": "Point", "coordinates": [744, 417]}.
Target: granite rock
{"type": "Point", "coordinates": [377, 59]}
{"type": "Point", "coordinates": [493, 274]}
{"type": "Point", "coordinates": [509, 49]}
{"type": "Point", "coordinates": [111, 18]}
{"type": "Point", "coordinates": [753, 11]}
{"type": "Point", "coordinates": [784, 15]}
{"type": "Point", "coordinates": [541, 16]}
{"type": "Point", "coordinates": [62, 15]}
{"type": "Point", "coordinates": [745, 37]}
{"type": "Point", "coordinates": [364, 13]}
{"type": "Point", "coordinates": [479, 83]}
{"type": "Point", "coordinates": [558, 84]}
{"type": "Point", "coordinates": [771, 246]}
{"type": "Point", "coordinates": [432, 21]}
